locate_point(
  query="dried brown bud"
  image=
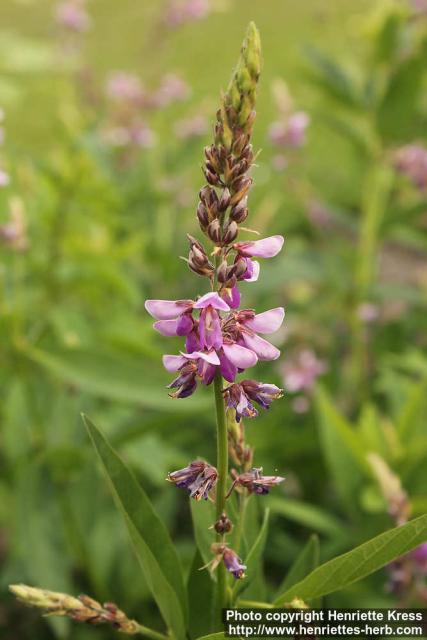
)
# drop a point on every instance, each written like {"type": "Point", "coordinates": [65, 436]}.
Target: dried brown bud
{"type": "Point", "coordinates": [223, 525]}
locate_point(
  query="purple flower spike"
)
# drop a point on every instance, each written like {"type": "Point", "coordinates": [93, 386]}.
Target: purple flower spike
{"type": "Point", "coordinates": [198, 478]}
{"type": "Point", "coordinates": [255, 482]}
{"type": "Point", "coordinates": [233, 563]}
{"type": "Point", "coordinates": [265, 248]}
{"type": "Point", "coordinates": [167, 309]}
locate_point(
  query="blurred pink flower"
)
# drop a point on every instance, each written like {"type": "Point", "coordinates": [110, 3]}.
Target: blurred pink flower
{"type": "Point", "coordinates": [125, 86]}
{"type": "Point", "coordinates": [411, 160]}
{"type": "Point", "coordinates": [72, 15]}
{"type": "Point", "coordinates": [300, 373]}
{"type": "Point", "coordinates": [180, 12]}
{"type": "Point", "coordinates": [318, 214]}
{"type": "Point", "coordinates": [279, 162]}
{"type": "Point", "coordinates": [290, 132]}
{"type": "Point", "coordinates": [368, 312]}
{"type": "Point", "coordinates": [189, 128]}
{"type": "Point", "coordinates": [300, 404]}
{"type": "Point", "coordinates": [4, 178]}
{"type": "Point", "coordinates": [172, 89]}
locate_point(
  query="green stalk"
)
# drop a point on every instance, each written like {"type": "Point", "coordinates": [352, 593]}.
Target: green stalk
{"type": "Point", "coordinates": [221, 487]}
{"type": "Point", "coordinates": [150, 633]}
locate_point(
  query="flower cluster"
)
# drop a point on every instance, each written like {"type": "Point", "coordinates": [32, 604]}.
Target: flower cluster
{"type": "Point", "coordinates": [179, 12]}
{"type": "Point", "coordinates": [129, 102]}
{"type": "Point", "coordinates": [288, 132]}
{"type": "Point", "coordinates": [222, 340]}
{"type": "Point", "coordinates": [411, 161]}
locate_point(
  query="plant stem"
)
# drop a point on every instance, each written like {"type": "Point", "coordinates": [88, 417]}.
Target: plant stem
{"type": "Point", "coordinates": [150, 633]}
{"type": "Point", "coordinates": [221, 487]}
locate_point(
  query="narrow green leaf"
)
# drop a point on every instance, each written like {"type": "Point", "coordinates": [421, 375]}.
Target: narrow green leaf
{"type": "Point", "coordinates": [213, 636]}
{"type": "Point", "coordinates": [306, 562]}
{"type": "Point", "coordinates": [412, 410]}
{"type": "Point", "coordinates": [203, 516]}
{"type": "Point", "coordinates": [108, 376]}
{"type": "Point", "coordinates": [360, 562]}
{"type": "Point", "coordinates": [253, 559]}
{"type": "Point", "coordinates": [306, 514]}
{"type": "Point", "coordinates": [200, 589]}
{"type": "Point", "coordinates": [343, 451]}
{"type": "Point", "coordinates": [153, 546]}
{"type": "Point", "coordinates": [331, 77]}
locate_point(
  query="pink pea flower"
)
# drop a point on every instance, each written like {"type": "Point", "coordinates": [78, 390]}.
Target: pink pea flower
{"type": "Point", "coordinates": [172, 89]}
{"type": "Point", "coordinates": [73, 16]}
{"type": "Point", "coordinates": [290, 133]}
{"type": "Point", "coordinates": [191, 128]}
{"type": "Point", "coordinates": [300, 374]}
{"type": "Point", "coordinates": [265, 248]}
{"type": "Point", "coordinates": [125, 86]}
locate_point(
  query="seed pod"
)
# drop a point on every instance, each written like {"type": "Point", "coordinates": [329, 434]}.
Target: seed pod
{"type": "Point", "coordinates": [231, 232]}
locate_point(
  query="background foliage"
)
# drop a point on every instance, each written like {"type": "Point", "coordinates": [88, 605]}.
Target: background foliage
{"type": "Point", "coordinates": [96, 229]}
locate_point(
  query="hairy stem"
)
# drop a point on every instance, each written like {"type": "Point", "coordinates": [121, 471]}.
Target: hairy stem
{"type": "Point", "coordinates": [221, 488]}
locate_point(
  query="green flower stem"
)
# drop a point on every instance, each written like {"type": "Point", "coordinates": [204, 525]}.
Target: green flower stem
{"type": "Point", "coordinates": [150, 633]}
{"type": "Point", "coordinates": [221, 487]}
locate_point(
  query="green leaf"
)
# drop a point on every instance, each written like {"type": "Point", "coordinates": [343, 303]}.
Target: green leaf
{"type": "Point", "coordinates": [332, 78]}
{"type": "Point", "coordinates": [213, 636]}
{"type": "Point", "coordinates": [397, 110]}
{"type": "Point", "coordinates": [253, 559]}
{"type": "Point", "coordinates": [154, 549]}
{"type": "Point", "coordinates": [200, 590]}
{"type": "Point", "coordinates": [412, 410]}
{"type": "Point", "coordinates": [306, 514]}
{"type": "Point", "coordinates": [343, 451]}
{"type": "Point", "coordinates": [360, 562]}
{"type": "Point", "coordinates": [203, 516]}
{"type": "Point", "coordinates": [306, 562]}
{"type": "Point", "coordinates": [114, 378]}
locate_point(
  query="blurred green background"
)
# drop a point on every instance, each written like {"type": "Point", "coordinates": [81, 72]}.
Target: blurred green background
{"type": "Point", "coordinates": [101, 190]}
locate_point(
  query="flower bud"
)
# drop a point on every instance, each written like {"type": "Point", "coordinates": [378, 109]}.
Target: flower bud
{"type": "Point", "coordinates": [223, 525]}
{"type": "Point", "coordinates": [214, 231]}
{"type": "Point", "coordinates": [222, 272]}
{"type": "Point", "coordinates": [230, 233]}
{"type": "Point", "coordinates": [202, 216]}
{"type": "Point", "coordinates": [224, 200]}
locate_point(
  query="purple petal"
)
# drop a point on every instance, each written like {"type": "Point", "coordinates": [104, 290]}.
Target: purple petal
{"type": "Point", "coordinates": [184, 325]}
{"type": "Point", "coordinates": [264, 350]}
{"type": "Point", "coordinates": [173, 363]}
{"type": "Point", "coordinates": [166, 327]}
{"type": "Point", "coordinates": [232, 297]}
{"type": "Point", "coordinates": [167, 309]}
{"type": "Point", "coordinates": [192, 342]}
{"type": "Point", "coordinates": [267, 322]}
{"type": "Point", "coordinates": [206, 371]}
{"type": "Point", "coordinates": [252, 272]}
{"type": "Point", "coordinates": [210, 329]}
{"type": "Point", "coordinates": [210, 356]}
{"type": "Point", "coordinates": [212, 299]}
{"type": "Point", "coordinates": [228, 370]}
{"type": "Point", "coordinates": [241, 357]}
{"type": "Point", "coordinates": [265, 248]}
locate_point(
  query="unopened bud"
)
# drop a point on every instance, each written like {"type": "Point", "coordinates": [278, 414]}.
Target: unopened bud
{"type": "Point", "coordinates": [242, 189]}
{"type": "Point", "coordinates": [222, 271]}
{"type": "Point", "coordinates": [230, 233]}
{"type": "Point", "coordinates": [214, 231]}
{"type": "Point", "coordinates": [211, 177]}
{"type": "Point", "coordinates": [202, 216]}
{"type": "Point", "coordinates": [224, 200]}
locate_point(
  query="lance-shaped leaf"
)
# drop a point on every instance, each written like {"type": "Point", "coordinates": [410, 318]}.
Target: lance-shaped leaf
{"type": "Point", "coordinates": [304, 564]}
{"type": "Point", "coordinates": [358, 563]}
{"type": "Point", "coordinates": [203, 516]}
{"type": "Point", "coordinates": [200, 587]}
{"type": "Point", "coordinates": [153, 546]}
